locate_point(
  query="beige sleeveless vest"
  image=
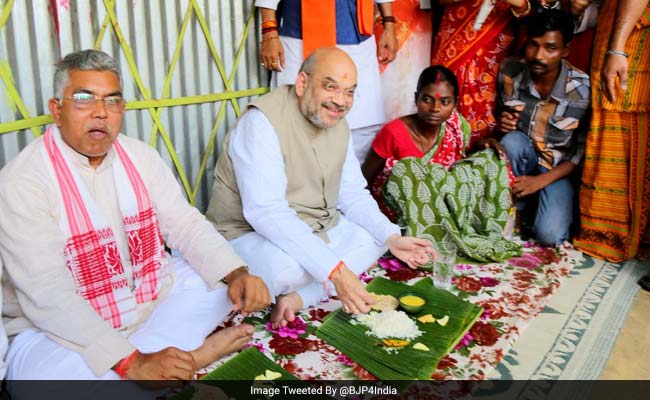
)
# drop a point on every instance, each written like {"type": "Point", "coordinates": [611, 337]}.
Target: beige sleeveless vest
{"type": "Point", "coordinates": [313, 160]}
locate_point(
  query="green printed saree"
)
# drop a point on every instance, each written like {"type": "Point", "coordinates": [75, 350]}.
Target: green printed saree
{"type": "Point", "coordinates": [468, 204]}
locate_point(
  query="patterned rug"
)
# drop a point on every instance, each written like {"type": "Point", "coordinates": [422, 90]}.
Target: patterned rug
{"type": "Point", "coordinates": [513, 294]}
{"type": "Point", "coordinates": [573, 336]}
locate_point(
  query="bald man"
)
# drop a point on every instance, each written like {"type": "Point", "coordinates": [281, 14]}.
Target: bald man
{"type": "Point", "coordinates": [289, 194]}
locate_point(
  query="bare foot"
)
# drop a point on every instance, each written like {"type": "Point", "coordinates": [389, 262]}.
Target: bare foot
{"type": "Point", "coordinates": [285, 309]}
{"type": "Point", "coordinates": [222, 343]}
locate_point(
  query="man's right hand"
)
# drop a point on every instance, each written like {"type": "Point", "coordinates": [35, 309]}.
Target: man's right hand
{"type": "Point", "coordinates": [351, 291]}
{"type": "Point", "coordinates": [272, 52]}
{"type": "Point", "coordinates": [168, 364]}
{"type": "Point", "coordinates": [508, 121]}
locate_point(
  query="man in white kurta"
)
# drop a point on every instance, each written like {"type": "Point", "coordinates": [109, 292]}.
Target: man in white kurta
{"type": "Point", "coordinates": [57, 334]}
{"type": "Point", "coordinates": [289, 193]}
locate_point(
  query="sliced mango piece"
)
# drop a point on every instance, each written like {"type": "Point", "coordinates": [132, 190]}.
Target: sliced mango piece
{"type": "Point", "coordinates": [396, 343]}
{"type": "Point", "coordinates": [420, 346]}
{"type": "Point", "coordinates": [425, 319]}
{"type": "Point", "coordinates": [443, 321]}
{"type": "Point", "coordinates": [268, 375]}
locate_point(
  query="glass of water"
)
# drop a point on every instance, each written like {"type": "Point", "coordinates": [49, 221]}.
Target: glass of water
{"type": "Point", "coordinates": [444, 265]}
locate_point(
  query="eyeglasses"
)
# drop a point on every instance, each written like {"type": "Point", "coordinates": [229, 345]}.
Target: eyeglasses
{"type": "Point", "coordinates": [333, 88]}
{"type": "Point", "coordinates": [86, 101]}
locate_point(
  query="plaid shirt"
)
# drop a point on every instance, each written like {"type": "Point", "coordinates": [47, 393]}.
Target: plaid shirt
{"type": "Point", "coordinates": [552, 124]}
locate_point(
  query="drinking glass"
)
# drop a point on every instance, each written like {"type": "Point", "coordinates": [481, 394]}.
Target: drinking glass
{"type": "Point", "coordinates": [444, 265]}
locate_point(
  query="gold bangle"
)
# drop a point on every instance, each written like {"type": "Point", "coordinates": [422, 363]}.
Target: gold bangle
{"type": "Point", "coordinates": [522, 14]}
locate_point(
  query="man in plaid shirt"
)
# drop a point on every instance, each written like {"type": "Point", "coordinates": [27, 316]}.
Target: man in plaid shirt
{"type": "Point", "coordinates": [542, 111]}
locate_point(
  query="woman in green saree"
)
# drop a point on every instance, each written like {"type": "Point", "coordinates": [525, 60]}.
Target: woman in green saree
{"type": "Point", "coordinates": [421, 174]}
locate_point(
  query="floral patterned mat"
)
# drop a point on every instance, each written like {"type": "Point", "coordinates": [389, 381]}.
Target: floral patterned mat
{"type": "Point", "coordinates": [512, 293]}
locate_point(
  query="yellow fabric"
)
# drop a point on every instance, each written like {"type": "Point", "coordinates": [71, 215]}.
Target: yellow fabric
{"type": "Point", "coordinates": [615, 190]}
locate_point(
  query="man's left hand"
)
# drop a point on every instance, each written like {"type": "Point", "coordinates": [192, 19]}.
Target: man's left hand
{"type": "Point", "coordinates": [528, 184]}
{"type": "Point", "coordinates": [247, 292]}
{"type": "Point", "coordinates": [387, 45]}
{"type": "Point", "coordinates": [411, 250]}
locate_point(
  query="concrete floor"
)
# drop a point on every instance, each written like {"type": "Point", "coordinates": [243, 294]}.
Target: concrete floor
{"type": "Point", "coordinates": [630, 358]}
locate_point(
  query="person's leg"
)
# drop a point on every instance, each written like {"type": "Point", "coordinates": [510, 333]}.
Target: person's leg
{"type": "Point", "coordinates": [32, 356]}
{"type": "Point", "coordinates": [281, 274]}
{"type": "Point", "coordinates": [523, 157]}
{"type": "Point", "coordinates": [188, 304]}
{"type": "Point", "coordinates": [554, 213]}
{"type": "Point", "coordinates": [367, 114]}
{"type": "Point", "coordinates": [356, 247]}
{"type": "Point", "coordinates": [192, 305]}
{"type": "Point", "coordinates": [524, 160]}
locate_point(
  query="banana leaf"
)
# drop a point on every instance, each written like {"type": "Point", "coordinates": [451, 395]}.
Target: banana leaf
{"type": "Point", "coordinates": [406, 363]}
{"type": "Point", "coordinates": [245, 366]}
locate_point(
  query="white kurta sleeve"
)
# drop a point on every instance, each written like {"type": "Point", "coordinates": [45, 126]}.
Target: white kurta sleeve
{"type": "Point", "coordinates": [356, 203]}
{"type": "Point", "coordinates": [259, 168]}
{"type": "Point", "coordinates": [184, 228]}
{"type": "Point", "coordinates": [272, 4]}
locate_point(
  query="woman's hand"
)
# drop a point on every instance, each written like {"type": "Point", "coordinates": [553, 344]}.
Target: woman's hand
{"type": "Point", "coordinates": [616, 66]}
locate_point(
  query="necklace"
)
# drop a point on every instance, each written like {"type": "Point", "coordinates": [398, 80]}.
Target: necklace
{"type": "Point", "coordinates": [422, 141]}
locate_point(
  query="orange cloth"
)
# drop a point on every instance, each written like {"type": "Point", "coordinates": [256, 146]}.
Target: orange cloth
{"type": "Point", "coordinates": [474, 57]}
{"type": "Point", "coordinates": [365, 16]}
{"type": "Point", "coordinates": [319, 22]}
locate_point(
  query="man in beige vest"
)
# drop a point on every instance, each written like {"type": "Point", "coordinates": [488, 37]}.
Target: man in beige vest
{"type": "Point", "coordinates": [289, 195]}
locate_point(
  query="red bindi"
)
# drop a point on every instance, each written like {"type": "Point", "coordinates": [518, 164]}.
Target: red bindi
{"type": "Point", "coordinates": [436, 95]}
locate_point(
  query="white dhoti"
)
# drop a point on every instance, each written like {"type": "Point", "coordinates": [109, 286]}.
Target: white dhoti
{"type": "Point", "coordinates": [282, 274]}
{"type": "Point", "coordinates": [367, 114]}
{"type": "Point", "coordinates": [188, 314]}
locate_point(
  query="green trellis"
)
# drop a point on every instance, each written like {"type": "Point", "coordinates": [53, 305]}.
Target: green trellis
{"type": "Point", "coordinates": [152, 105]}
